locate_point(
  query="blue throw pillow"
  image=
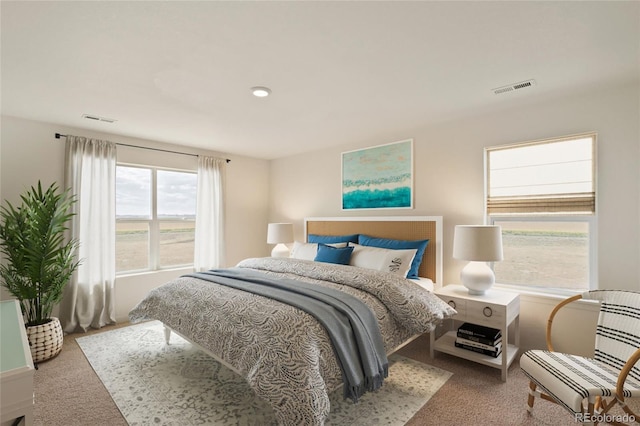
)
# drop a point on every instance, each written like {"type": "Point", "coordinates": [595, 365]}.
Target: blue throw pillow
{"type": "Point", "coordinates": [330, 239]}
{"type": "Point", "coordinates": [419, 245]}
{"type": "Point", "coordinates": [329, 254]}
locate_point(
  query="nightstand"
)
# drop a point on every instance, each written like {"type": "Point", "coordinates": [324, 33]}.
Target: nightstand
{"type": "Point", "coordinates": [495, 309]}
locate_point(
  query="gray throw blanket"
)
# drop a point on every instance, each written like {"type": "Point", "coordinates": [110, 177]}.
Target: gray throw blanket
{"type": "Point", "coordinates": [350, 324]}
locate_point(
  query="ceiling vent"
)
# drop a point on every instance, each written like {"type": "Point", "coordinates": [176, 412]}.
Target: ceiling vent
{"type": "Point", "coordinates": [515, 86]}
{"type": "Point", "coordinates": [98, 118]}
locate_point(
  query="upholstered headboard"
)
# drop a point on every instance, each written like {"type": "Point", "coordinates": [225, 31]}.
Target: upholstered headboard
{"type": "Point", "coordinates": [396, 227]}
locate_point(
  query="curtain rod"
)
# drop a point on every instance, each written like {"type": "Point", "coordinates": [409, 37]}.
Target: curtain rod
{"type": "Point", "coordinates": [58, 136]}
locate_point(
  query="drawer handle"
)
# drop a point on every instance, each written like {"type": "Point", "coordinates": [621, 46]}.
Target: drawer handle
{"type": "Point", "coordinates": [452, 304]}
{"type": "Point", "coordinates": [487, 311]}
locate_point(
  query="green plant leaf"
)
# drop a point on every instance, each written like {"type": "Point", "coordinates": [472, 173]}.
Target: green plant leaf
{"type": "Point", "coordinates": [40, 259]}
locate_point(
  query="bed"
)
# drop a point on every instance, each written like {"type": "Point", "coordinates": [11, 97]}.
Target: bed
{"type": "Point", "coordinates": [283, 351]}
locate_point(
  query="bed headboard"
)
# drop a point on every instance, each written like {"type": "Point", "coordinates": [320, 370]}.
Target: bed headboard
{"type": "Point", "coordinates": [396, 227]}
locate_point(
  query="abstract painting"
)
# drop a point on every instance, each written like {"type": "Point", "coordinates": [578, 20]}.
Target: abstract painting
{"type": "Point", "coordinates": [378, 177]}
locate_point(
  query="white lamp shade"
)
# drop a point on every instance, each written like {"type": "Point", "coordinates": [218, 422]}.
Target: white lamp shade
{"type": "Point", "coordinates": [279, 233]}
{"type": "Point", "coordinates": [479, 243]}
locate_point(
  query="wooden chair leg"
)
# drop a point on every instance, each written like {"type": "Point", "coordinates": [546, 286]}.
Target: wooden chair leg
{"type": "Point", "coordinates": [591, 410]}
{"type": "Point", "coordinates": [531, 399]}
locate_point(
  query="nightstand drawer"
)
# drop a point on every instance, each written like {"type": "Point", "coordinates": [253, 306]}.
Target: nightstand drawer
{"type": "Point", "coordinates": [460, 305]}
{"type": "Point", "coordinates": [486, 314]}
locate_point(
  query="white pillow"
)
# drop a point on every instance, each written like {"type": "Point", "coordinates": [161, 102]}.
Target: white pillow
{"type": "Point", "coordinates": [304, 251]}
{"type": "Point", "coordinates": [425, 283]}
{"type": "Point", "coordinates": [380, 259]}
{"type": "Point", "coordinates": [308, 251]}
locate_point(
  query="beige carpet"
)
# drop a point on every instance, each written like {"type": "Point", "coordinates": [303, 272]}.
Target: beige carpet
{"type": "Point", "coordinates": [69, 393]}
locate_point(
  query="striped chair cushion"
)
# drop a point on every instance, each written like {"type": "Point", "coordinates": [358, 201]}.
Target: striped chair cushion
{"type": "Point", "coordinates": [569, 379]}
{"type": "Point", "coordinates": [618, 331]}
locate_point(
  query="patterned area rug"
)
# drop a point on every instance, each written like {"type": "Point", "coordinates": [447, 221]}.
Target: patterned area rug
{"type": "Point", "coordinates": [177, 384]}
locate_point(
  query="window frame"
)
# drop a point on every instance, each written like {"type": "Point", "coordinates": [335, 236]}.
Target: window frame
{"type": "Point", "coordinates": [153, 244]}
{"type": "Point", "coordinates": [590, 218]}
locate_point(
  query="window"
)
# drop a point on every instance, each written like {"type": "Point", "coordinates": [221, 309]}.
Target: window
{"type": "Point", "coordinates": [543, 195]}
{"type": "Point", "coordinates": [155, 218]}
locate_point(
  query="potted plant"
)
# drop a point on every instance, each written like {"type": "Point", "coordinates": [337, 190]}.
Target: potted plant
{"type": "Point", "coordinates": [39, 261]}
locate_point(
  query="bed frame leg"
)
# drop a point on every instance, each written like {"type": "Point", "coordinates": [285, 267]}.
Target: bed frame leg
{"type": "Point", "coordinates": [167, 334]}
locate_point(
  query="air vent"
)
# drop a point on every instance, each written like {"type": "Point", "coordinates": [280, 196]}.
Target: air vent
{"type": "Point", "coordinates": [515, 86]}
{"type": "Point", "coordinates": [98, 118]}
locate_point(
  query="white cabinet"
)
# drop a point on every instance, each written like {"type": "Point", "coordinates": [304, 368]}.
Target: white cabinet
{"type": "Point", "coordinates": [16, 366]}
{"type": "Point", "coordinates": [495, 309]}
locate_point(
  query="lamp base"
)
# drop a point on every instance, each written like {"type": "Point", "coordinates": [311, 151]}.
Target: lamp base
{"type": "Point", "coordinates": [477, 277]}
{"type": "Point", "coordinates": [280, 250]}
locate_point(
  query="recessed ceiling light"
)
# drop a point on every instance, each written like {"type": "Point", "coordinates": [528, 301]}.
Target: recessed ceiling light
{"type": "Point", "coordinates": [261, 92]}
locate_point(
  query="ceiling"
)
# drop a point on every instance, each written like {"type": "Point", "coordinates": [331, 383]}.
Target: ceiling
{"type": "Point", "coordinates": [340, 72]}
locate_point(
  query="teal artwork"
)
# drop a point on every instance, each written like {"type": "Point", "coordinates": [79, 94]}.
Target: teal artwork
{"type": "Point", "coordinates": [378, 177]}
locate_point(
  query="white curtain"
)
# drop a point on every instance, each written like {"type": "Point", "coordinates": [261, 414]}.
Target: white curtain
{"type": "Point", "coordinates": [91, 174]}
{"type": "Point", "coordinates": [209, 239]}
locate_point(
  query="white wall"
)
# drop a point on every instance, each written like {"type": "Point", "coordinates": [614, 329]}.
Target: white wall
{"type": "Point", "coordinates": [449, 173]}
{"type": "Point", "coordinates": [29, 152]}
{"type": "Point", "coordinates": [448, 182]}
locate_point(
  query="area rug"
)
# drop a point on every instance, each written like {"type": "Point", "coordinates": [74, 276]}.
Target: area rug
{"type": "Point", "coordinates": [153, 383]}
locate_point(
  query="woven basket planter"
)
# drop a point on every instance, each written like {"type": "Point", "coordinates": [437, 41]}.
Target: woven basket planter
{"type": "Point", "coordinates": [45, 340]}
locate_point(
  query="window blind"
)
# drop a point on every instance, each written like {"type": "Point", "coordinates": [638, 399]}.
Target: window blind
{"type": "Point", "coordinates": [547, 177]}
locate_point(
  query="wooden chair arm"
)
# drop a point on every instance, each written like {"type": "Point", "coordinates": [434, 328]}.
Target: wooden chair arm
{"type": "Point", "coordinates": [553, 314]}
{"type": "Point", "coordinates": [633, 359]}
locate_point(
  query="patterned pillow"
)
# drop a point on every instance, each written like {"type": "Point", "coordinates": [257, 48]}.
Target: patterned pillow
{"type": "Point", "coordinates": [394, 261]}
{"type": "Point", "coordinates": [419, 245]}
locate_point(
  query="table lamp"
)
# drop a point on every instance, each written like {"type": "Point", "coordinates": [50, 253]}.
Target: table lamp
{"type": "Point", "coordinates": [280, 234]}
{"type": "Point", "coordinates": [478, 244]}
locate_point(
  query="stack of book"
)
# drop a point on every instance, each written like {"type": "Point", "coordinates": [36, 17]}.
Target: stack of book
{"type": "Point", "coordinates": [476, 338]}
